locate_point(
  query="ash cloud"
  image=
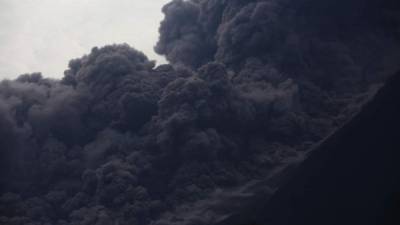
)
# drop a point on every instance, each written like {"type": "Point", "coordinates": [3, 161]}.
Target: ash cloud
{"type": "Point", "coordinates": [251, 86]}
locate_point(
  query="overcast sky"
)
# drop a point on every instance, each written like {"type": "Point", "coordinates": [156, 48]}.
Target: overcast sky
{"type": "Point", "coordinates": [43, 35]}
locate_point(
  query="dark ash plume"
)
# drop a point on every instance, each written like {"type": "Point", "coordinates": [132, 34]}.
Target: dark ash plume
{"type": "Point", "coordinates": [251, 86]}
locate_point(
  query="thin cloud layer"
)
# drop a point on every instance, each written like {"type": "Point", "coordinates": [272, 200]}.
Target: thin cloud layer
{"type": "Point", "coordinates": [42, 35]}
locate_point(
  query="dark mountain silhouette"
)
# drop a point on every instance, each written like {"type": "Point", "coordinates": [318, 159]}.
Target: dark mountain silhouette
{"type": "Point", "coordinates": [353, 177]}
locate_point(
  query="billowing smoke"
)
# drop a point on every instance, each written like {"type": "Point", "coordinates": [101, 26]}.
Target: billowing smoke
{"type": "Point", "coordinates": [251, 86]}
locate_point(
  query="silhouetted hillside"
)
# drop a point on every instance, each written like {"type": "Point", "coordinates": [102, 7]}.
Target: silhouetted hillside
{"type": "Point", "coordinates": [353, 177]}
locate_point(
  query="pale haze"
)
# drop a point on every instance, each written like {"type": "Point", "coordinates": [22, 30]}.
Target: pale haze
{"type": "Point", "coordinates": [43, 35]}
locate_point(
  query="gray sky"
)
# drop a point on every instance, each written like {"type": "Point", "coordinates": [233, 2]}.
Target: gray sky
{"type": "Point", "coordinates": [43, 35]}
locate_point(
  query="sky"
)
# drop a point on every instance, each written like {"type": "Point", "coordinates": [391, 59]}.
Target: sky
{"type": "Point", "coordinates": [43, 35]}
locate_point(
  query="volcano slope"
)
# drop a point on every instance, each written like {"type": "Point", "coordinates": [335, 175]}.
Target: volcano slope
{"type": "Point", "coordinates": [353, 177]}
